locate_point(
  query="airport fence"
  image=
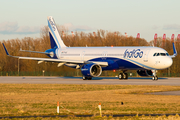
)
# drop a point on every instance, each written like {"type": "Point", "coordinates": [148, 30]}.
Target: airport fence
{"type": "Point", "coordinates": [76, 74]}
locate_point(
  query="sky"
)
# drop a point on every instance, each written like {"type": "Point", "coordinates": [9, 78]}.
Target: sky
{"type": "Point", "coordinates": [25, 18]}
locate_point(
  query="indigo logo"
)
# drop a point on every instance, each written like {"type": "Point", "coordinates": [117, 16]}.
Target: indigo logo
{"type": "Point", "coordinates": [133, 54]}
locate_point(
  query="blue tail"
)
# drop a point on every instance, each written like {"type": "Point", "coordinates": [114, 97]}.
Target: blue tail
{"type": "Point", "coordinates": [55, 39]}
{"type": "Point", "coordinates": [174, 50]}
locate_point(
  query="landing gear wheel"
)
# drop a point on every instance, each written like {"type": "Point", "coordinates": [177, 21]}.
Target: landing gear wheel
{"type": "Point", "coordinates": [120, 76]}
{"type": "Point", "coordinates": [84, 78]}
{"type": "Point", "coordinates": [125, 76]}
{"type": "Point", "coordinates": [155, 78]}
{"type": "Point", "coordinates": [89, 78]}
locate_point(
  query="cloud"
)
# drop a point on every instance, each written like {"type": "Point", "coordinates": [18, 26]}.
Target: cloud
{"type": "Point", "coordinates": [13, 28]}
{"type": "Point", "coordinates": [172, 27]}
{"type": "Point", "coordinates": [72, 27]}
{"type": "Point", "coordinates": [8, 27]}
{"type": "Point", "coordinates": [27, 29]}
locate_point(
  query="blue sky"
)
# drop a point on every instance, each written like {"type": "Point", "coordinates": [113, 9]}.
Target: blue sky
{"type": "Point", "coordinates": [24, 18]}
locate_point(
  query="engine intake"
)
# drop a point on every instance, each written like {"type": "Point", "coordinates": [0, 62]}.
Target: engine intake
{"type": "Point", "coordinates": [91, 70]}
{"type": "Point", "coordinates": [145, 72]}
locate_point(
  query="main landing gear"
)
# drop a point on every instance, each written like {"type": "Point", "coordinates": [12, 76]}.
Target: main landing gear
{"type": "Point", "coordinates": [87, 78]}
{"type": "Point", "coordinates": [123, 76]}
{"type": "Point", "coordinates": [155, 78]}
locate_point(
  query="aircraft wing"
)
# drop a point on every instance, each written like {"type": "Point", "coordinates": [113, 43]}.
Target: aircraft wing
{"type": "Point", "coordinates": [57, 60]}
{"type": "Point", "coordinates": [34, 52]}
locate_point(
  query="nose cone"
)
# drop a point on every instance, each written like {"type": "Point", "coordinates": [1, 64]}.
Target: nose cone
{"type": "Point", "coordinates": [167, 62]}
{"type": "Point", "coordinates": [163, 62]}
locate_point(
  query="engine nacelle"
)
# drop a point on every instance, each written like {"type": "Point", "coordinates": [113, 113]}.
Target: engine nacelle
{"type": "Point", "coordinates": [91, 70]}
{"type": "Point", "coordinates": [145, 72]}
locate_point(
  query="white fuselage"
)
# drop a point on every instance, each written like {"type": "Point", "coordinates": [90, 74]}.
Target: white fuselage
{"type": "Point", "coordinates": [130, 57]}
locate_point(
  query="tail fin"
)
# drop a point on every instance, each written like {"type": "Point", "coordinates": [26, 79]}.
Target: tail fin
{"type": "Point", "coordinates": [174, 50]}
{"type": "Point", "coordinates": [55, 39]}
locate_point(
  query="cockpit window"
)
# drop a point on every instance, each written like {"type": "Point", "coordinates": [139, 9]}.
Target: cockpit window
{"type": "Point", "coordinates": [154, 54]}
{"type": "Point", "coordinates": [161, 54]}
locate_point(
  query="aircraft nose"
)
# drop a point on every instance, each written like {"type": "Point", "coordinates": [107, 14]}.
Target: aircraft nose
{"type": "Point", "coordinates": [168, 62]}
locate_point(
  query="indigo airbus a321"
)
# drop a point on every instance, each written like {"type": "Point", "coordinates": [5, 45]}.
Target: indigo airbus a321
{"type": "Point", "coordinates": [93, 60]}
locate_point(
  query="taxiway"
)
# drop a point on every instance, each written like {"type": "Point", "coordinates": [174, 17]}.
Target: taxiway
{"type": "Point", "coordinates": [98, 81]}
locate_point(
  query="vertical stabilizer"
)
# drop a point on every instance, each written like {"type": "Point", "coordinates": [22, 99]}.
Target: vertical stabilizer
{"type": "Point", "coordinates": [174, 50]}
{"type": "Point", "coordinates": [55, 39]}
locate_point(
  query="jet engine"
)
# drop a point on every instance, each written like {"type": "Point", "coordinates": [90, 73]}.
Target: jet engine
{"type": "Point", "coordinates": [91, 70]}
{"type": "Point", "coordinates": [145, 72]}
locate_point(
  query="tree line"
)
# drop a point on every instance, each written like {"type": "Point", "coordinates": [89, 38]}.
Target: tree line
{"type": "Point", "coordinates": [99, 38]}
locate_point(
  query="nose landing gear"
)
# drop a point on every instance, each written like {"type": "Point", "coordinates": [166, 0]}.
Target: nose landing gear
{"type": "Point", "coordinates": [154, 75]}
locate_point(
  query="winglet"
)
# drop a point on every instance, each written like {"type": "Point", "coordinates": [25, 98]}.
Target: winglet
{"type": "Point", "coordinates": [174, 50]}
{"type": "Point", "coordinates": [5, 49]}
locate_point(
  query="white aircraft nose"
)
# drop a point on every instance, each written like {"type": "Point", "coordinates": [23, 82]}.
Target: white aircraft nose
{"type": "Point", "coordinates": [163, 62]}
{"type": "Point", "coordinates": [168, 62]}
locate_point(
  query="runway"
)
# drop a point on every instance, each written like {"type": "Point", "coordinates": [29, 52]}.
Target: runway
{"type": "Point", "coordinates": [98, 81]}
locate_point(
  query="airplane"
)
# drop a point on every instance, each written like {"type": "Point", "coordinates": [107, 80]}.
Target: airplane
{"type": "Point", "coordinates": [93, 60]}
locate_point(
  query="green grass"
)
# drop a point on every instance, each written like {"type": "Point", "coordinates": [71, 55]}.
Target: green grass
{"type": "Point", "coordinates": [41, 99]}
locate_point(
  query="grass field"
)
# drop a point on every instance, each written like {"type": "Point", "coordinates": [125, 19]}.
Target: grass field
{"type": "Point", "coordinates": [41, 99]}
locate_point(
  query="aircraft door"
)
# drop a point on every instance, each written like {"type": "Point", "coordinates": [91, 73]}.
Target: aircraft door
{"type": "Point", "coordinates": [146, 55]}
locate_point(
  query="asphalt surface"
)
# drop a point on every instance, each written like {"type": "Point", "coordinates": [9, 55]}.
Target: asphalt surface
{"type": "Point", "coordinates": [98, 81]}
{"type": "Point", "coordinates": [65, 116]}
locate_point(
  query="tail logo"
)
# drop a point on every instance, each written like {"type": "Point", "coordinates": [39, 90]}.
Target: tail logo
{"type": "Point", "coordinates": [55, 39]}
{"type": "Point", "coordinates": [52, 24]}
